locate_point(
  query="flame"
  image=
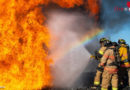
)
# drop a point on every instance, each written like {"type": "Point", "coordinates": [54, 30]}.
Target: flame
{"type": "Point", "coordinates": [24, 43]}
{"type": "Point", "coordinates": [68, 3]}
{"type": "Point", "coordinates": [93, 7]}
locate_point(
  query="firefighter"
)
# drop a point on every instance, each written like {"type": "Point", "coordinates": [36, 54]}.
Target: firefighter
{"type": "Point", "coordinates": [123, 73]}
{"type": "Point", "coordinates": [108, 61]}
{"type": "Point", "coordinates": [98, 56]}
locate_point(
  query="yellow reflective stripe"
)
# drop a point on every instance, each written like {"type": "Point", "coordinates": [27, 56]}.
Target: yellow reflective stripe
{"type": "Point", "coordinates": [96, 83]}
{"type": "Point", "coordinates": [103, 89]}
{"type": "Point", "coordinates": [101, 52]}
{"type": "Point", "coordinates": [114, 88]}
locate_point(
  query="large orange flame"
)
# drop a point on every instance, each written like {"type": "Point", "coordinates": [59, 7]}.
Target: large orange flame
{"type": "Point", "coordinates": [23, 45]}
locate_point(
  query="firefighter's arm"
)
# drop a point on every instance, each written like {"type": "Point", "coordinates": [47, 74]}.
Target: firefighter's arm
{"type": "Point", "coordinates": [125, 57]}
{"type": "Point", "coordinates": [95, 56]}
{"type": "Point", "coordinates": [98, 54]}
{"type": "Point", "coordinates": [125, 54]}
{"type": "Point", "coordinates": [121, 52]}
{"type": "Point", "coordinates": [103, 61]}
{"type": "Point", "coordinates": [104, 58]}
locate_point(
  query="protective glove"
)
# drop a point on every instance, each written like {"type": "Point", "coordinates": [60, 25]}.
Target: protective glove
{"type": "Point", "coordinates": [92, 57]}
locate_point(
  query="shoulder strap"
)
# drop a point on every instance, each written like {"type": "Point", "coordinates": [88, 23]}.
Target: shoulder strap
{"type": "Point", "coordinates": [105, 50]}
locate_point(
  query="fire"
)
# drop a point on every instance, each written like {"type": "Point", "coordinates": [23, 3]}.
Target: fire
{"type": "Point", "coordinates": [93, 6]}
{"type": "Point", "coordinates": [24, 43]}
{"type": "Point", "coordinates": [68, 3]}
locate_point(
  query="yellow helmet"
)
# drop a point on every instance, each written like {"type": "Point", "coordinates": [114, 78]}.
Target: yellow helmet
{"type": "Point", "coordinates": [121, 41]}
{"type": "Point", "coordinates": [102, 40]}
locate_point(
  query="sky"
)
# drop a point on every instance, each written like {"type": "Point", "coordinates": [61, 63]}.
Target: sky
{"type": "Point", "coordinates": [124, 33]}
{"type": "Point", "coordinates": [116, 24]}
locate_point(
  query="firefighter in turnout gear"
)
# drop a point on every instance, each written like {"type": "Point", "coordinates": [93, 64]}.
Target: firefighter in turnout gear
{"type": "Point", "coordinates": [123, 73]}
{"type": "Point", "coordinates": [98, 55]}
{"type": "Point", "coordinates": [108, 61]}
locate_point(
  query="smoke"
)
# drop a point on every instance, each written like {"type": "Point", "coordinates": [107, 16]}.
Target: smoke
{"type": "Point", "coordinates": [70, 56]}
